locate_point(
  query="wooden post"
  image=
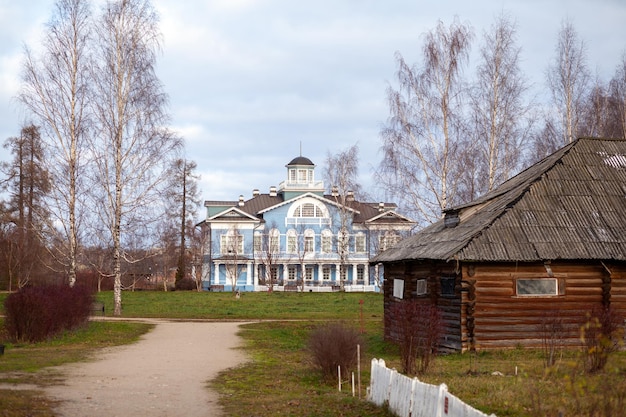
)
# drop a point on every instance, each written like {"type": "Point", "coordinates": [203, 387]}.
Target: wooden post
{"type": "Point", "coordinates": [358, 358]}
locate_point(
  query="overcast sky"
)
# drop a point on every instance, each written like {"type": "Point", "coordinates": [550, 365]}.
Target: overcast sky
{"type": "Point", "coordinates": [252, 81]}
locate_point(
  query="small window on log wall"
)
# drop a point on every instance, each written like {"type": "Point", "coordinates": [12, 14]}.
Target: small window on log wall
{"type": "Point", "coordinates": [421, 287]}
{"type": "Point", "coordinates": [398, 288]}
{"type": "Point", "coordinates": [447, 286]}
{"type": "Point", "coordinates": [537, 287]}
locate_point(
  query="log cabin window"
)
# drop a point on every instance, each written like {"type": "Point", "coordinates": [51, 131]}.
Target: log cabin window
{"type": "Point", "coordinates": [398, 288]}
{"type": "Point", "coordinates": [447, 286]}
{"type": "Point", "coordinates": [537, 287]}
{"type": "Point", "coordinates": [421, 287]}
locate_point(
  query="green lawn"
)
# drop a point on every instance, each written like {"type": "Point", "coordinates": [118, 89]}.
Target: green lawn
{"type": "Point", "coordinates": [280, 380]}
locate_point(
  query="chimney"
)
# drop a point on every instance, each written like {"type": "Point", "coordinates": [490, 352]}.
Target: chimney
{"type": "Point", "coordinates": [255, 192]}
{"type": "Point", "coordinates": [350, 196]}
{"type": "Point", "coordinates": [241, 203]}
{"type": "Point", "coordinates": [334, 191]}
{"type": "Point", "coordinates": [273, 191]}
{"type": "Point", "coordinates": [381, 207]}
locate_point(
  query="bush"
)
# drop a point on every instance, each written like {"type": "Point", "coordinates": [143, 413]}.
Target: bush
{"type": "Point", "coordinates": [601, 336]}
{"type": "Point", "coordinates": [332, 346]}
{"type": "Point", "coordinates": [419, 330]}
{"type": "Point", "coordinates": [38, 313]}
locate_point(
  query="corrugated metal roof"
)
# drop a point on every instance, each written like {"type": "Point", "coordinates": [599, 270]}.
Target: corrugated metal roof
{"type": "Point", "coordinates": [570, 205]}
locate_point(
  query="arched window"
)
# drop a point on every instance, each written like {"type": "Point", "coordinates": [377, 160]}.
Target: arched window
{"type": "Point", "coordinates": [292, 241]}
{"type": "Point", "coordinates": [327, 241]}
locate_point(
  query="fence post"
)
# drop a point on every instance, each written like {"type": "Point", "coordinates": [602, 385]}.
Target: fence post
{"type": "Point", "coordinates": [442, 408]}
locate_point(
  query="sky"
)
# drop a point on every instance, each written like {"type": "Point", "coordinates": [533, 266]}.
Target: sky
{"type": "Point", "coordinates": [254, 83]}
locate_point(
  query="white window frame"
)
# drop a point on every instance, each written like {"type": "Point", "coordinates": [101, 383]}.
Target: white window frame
{"type": "Point", "coordinates": [398, 288]}
{"type": "Point", "coordinates": [421, 287]}
{"type": "Point", "coordinates": [274, 241]}
{"type": "Point", "coordinates": [327, 241]}
{"type": "Point", "coordinates": [532, 287]}
{"type": "Point", "coordinates": [292, 241]}
{"type": "Point", "coordinates": [309, 241]}
{"type": "Point", "coordinates": [360, 245]}
{"type": "Point", "coordinates": [229, 241]}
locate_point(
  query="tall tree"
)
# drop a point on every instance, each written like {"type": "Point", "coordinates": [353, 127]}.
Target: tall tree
{"type": "Point", "coordinates": [184, 199]}
{"type": "Point", "coordinates": [568, 80]}
{"type": "Point", "coordinates": [28, 185]}
{"type": "Point", "coordinates": [421, 138]}
{"type": "Point", "coordinates": [499, 126]}
{"type": "Point", "coordinates": [55, 90]}
{"type": "Point", "coordinates": [617, 88]}
{"type": "Point", "coordinates": [341, 175]}
{"type": "Point", "coordinates": [134, 148]}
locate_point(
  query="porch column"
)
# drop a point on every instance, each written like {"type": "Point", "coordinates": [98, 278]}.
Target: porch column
{"type": "Point", "coordinates": [354, 273]}
{"type": "Point", "coordinates": [216, 273]}
{"type": "Point", "coordinates": [249, 273]}
{"type": "Point", "coordinates": [320, 273]}
{"type": "Point", "coordinates": [337, 273]}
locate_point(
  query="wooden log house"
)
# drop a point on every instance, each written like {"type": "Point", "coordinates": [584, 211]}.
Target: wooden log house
{"type": "Point", "coordinates": [547, 247]}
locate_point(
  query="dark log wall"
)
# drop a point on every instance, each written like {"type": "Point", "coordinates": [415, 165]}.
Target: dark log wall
{"type": "Point", "coordinates": [502, 319]}
{"type": "Point", "coordinates": [449, 307]}
{"type": "Point", "coordinates": [488, 314]}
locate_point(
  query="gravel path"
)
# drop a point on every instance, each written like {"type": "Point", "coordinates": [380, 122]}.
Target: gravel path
{"type": "Point", "coordinates": [164, 374]}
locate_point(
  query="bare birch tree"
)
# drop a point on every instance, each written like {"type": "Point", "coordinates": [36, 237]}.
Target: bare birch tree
{"type": "Point", "coordinates": [499, 126]}
{"type": "Point", "coordinates": [421, 138]}
{"type": "Point", "coordinates": [341, 174]}
{"type": "Point", "coordinates": [617, 88]}
{"type": "Point", "coordinates": [133, 146]}
{"type": "Point", "coordinates": [568, 81]}
{"type": "Point", "coordinates": [55, 91]}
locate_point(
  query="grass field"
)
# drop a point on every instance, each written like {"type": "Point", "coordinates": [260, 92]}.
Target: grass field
{"type": "Point", "coordinates": [280, 380]}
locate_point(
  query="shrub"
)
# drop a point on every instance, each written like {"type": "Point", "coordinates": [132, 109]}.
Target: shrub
{"type": "Point", "coordinates": [332, 346]}
{"type": "Point", "coordinates": [600, 335]}
{"type": "Point", "coordinates": [38, 313]}
{"type": "Point", "coordinates": [553, 333]}
{"type": "Point", "coordinates": [419, 330]}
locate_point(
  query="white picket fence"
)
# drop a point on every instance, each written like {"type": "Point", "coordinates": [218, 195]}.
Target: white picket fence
{"type": "Point", "coordinates": [408, 397]}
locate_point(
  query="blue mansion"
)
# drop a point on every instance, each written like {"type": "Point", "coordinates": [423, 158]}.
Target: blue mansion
{"type": "Point", "coordinates": [297, 238]}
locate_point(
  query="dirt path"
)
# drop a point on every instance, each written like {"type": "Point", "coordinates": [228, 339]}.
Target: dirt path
{"type": "Point", "coordinates": [164, 374]}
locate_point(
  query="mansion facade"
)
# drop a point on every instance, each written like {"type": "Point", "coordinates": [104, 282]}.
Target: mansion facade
{"type": "Point", "coordinates": [298, 238]}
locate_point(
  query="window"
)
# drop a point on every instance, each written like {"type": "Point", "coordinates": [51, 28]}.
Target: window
{"type": "Point", "coordinates": [359, 243]}
{"type": "Point", "coordinates": [326, 273]}
{"type": "Point", "coordinates": [292, 241]}
{"type": "Point", "coordinates": [291, 272]}
{"type": "Point", "coordinates": [309, 241]}
{"type": "Point", "coordinates": [387, 240]}
{"type": "Point", "coordinates": [274, 243]}
{"type": "Point", "coordinates": [343, 242]}
{"type": "Point", "coordinates": [231, 243]}
{"type": "Point", "coordinates": [421, 287]}
{"type": "Point", "coordinates": [398, 288]}
{"type": "Point", "coordinates": [309, 273]}
{"type": "Point", "coordinates": [327, 241]}
{"type": "Point", "coordinates": [537, 287]}
{"type": "Point", "coordinates": [360, 272]}
{"type": "Point", "coordinates": [292, 175]}
{"type": "Point", "coordinates": [308, 210]}
{"type": "Point", "coordinates": [274, 273]}
{"type": "Point", "coordinates": [302, 175]}
{"type": "Point", "coordinates": [447, 286]}
{"type": "Point", "coordinates": [258, 241]}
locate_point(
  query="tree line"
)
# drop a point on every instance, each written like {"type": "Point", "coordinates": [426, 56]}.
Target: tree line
{"type": "Point", "coordinates": [97, 180]}
{"type": "Point", "coordinates": [456, 131]}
